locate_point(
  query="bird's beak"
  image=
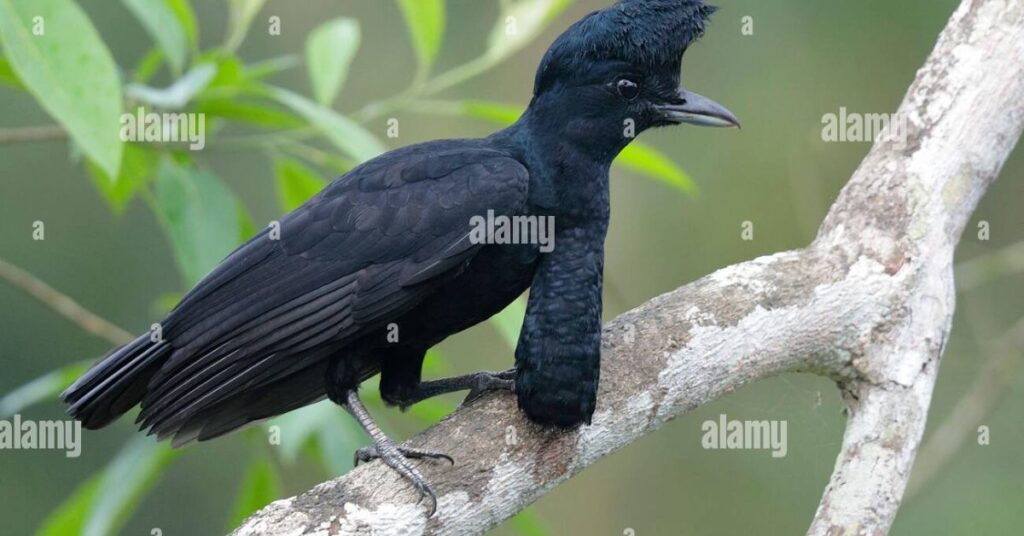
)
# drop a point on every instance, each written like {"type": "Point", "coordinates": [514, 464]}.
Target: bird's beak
{"type": "Point", "coordinates": [697, 110]}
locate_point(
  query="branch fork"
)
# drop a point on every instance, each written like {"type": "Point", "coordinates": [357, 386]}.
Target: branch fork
{"type": "Point", "coordinates": [869, 304]}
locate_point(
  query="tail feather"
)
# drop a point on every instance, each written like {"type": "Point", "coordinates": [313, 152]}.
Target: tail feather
{"type": "Point", "coordinates": [116, 383]}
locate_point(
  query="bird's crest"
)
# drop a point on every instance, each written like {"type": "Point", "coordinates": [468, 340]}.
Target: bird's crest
{"type": "Point", "coordinates": [641, 32]}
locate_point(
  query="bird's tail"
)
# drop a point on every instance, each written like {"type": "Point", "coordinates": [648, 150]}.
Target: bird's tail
{"type": "Point", "coordinates": [116, 383]}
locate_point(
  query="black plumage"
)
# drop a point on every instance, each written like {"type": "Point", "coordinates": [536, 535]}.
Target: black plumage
{"type": "Point", "coordinates": [302, 310]}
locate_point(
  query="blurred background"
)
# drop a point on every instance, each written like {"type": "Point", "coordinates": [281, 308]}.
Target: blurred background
{"type": "Point", "coordinates": [679, 205]}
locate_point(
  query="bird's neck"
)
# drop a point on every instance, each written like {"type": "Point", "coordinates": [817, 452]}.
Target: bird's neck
{"type": "Point", "coordinates": [566, 176]}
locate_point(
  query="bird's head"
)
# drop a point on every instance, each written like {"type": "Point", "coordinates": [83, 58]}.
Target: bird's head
{"type": "Point", "coordinates": [617, 71]}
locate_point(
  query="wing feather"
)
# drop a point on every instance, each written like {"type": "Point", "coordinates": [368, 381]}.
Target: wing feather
{"type": "Point", "coordinates": [368, 248]}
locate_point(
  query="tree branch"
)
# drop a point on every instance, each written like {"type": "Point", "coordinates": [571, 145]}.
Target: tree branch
{"type": "Point", "coordinates": [869, 304]}
{"type": "Point", "coordinates": [63, 304]}
{"type": "Point", "coordinates": [28, 134]}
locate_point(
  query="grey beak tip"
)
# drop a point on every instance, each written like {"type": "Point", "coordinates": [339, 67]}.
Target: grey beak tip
{"type": "Point", "coordinates": [699, 110]}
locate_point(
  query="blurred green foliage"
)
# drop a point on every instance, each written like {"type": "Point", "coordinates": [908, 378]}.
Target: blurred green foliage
{"type": "Point", "coordinates": [201, 216]}
{"type": "Point", "coordinates": [274, 135]}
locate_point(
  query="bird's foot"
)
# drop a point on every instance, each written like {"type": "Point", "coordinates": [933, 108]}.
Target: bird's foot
{"type": "Point", "coordinates": [484, 382]}
{"type": "Point", "coordinates": [367, 454]}
{"type": "Point", "coordinates": [397, 457]}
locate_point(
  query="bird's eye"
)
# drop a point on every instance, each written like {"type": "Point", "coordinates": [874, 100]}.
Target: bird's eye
{"type": "Point", "coordinates": [628, 88]}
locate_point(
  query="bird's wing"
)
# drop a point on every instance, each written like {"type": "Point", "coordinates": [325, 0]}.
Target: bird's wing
{"type": "Point", "coordinates": [369, 247]}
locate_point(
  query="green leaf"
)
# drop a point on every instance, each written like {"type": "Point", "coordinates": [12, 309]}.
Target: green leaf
{"type": "Point", "coordinates": [103, 503]}
{"type": "Point", "coordinates": [426, 20]}
{"type": "Point", "coordinates": [148, 66]}
{"type": "Point", "coordinates": [251, 112]}
{"type": "Point", "coordinates": [331, 435]}
{"type": "Point", "coordinates": [180, 93]}
{"type": "Point", "coordinates": [246, 228]}
{"type": "Point", "coordinates": [42, 389]}
{"type": "Point", "coordinates": [165, 302]}
{"type": "Point", "coordinates": [69, 71]}
{"type": "Point", "coordinates": [163, 25]}
{"type": "Point", "coordinates": [526, 523]}
{"type": "Point", "coordinates": [261, 486]}
{"type": "Point", "coordinates": [431, 411]}
{"type": "Point", "coordinates": [68, 517]}
{"type": "Point", "coordinates": [240, 16]}
{"type": "Point", "coordinates": [520, 22]}
{"type": "Point", "coordinates": [199, 214]}
{"type": "Point", "coordinates": [497, 113]}
{"type": "Point", "coordinates": [231, 79]}
{"type": "Point", "coordinates": [336, 165]}
{"type": "Point", "coordinates": [129, 476]}
{"type": "Point", "coordinates": [344, 133]}
{"type": "Point", "coordinates": [337, 438]}
{"type": "Point", "coordinates": [137, 167]}
{"type": "Point", "coordinates": [296, 183]}
{"type": "Point", "coordinates": [7, 75]}
{"type": "Point", "coordinates": [187, 19]}
{"type": "Point", "coordinates": [435, 364]}
{"type": "Point", "coordinates": [267, 68]}
{"type": "Point", "coordinates": [329, 52]}
{"type": "Point", "coordinates": [297, 428]}
{"type": "Point", "coordinates": [510, 321]}
{"type": "Point", "coordinates": [650, 162]}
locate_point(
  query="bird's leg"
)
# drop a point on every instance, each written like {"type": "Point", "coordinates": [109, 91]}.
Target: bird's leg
{"type": "Point", "coordinates": [394, 456]}
{"type": "Point", "coordinates": [477, 384]}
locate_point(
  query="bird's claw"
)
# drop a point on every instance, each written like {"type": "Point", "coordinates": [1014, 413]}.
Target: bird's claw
{"type": "Point", "coordinates": [397, 458]}
{"type": "Point", "coordinates": [509, 374]}
{"type": "Point", "coordinates": [486, 382]}
{"type": "Point", "coordinates": [367, 454]}
{"type": "Point", "coordinates": [426, 492]}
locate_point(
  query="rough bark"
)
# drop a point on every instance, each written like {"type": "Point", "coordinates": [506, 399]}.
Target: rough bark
{"type": "Point", "coordinates": [868, 304]}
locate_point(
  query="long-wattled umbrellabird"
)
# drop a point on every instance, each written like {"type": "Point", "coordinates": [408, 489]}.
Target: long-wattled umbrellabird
{"type": "Point", "coordinates": [302, 311]}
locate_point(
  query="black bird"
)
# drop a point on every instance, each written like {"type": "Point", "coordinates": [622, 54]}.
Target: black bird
{"type": "Point", "coordinates": [304, 309]}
